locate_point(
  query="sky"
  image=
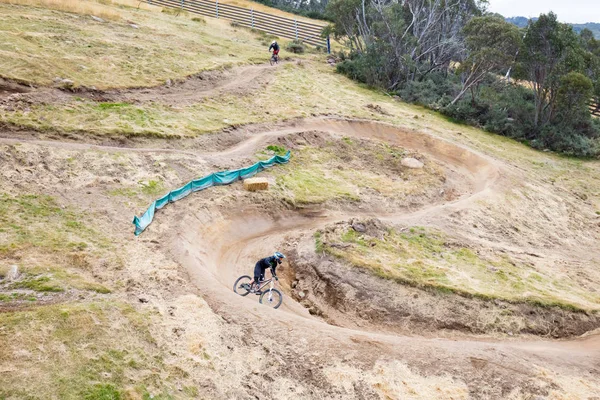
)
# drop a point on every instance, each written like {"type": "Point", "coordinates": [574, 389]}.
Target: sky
{"type": "Point", "coordinates": [573, 11]}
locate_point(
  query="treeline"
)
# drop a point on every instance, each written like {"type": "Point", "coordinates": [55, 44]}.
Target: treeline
{"type": "Point", "coordinates": [308, 8]}
{"type": "Point", "coordinates": [533, 84]}
{"type": "Point", "coordinates": [594, 27]}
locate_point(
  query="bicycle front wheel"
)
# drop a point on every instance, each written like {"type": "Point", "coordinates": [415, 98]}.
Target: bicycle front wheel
{"type": "Point", "coordinates": [271, 298]}
{"type": "Point", "coordinates": [272, 60]}
{"type": "Point", "coordinates": [241, 285]}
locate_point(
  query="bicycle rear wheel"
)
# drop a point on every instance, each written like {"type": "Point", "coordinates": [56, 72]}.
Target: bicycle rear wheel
{"type": "Point", "coordinates": [239, 285]}
{"type": "Point", "coordinates": [271, 298]}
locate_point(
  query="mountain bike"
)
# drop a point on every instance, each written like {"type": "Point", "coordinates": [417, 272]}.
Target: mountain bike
{"type": "Point", "coordinates": [270, 297]}
{"type": "Point", "coordinates": [274, 59]}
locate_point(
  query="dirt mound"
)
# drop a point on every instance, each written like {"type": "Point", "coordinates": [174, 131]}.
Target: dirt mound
{"type": "Point", "coordinates": [9, 87]}
{"type": "Point", "coordinates": [348, 296]}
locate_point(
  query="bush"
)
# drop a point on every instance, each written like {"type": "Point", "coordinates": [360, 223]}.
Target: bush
{"type": "Point", "coordinates": [566, 140]}
{"type": "Point", "coordinates": [497, 107]}
{"type": "Point", "coordinates": [296, 47]}
{"type": "Point", "coordinates": [435, 92]}
{"type": "Point", "coordinates": [352, 69]}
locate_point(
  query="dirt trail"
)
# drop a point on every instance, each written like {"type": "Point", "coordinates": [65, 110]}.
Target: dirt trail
{"type": "Point", "coordinates": [236, 81]}
{"type": "Point", "coordinates": [216, 251]}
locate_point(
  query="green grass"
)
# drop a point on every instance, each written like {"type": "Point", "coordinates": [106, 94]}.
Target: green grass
{"type": "Point", "coordinates": [152, 187]}
{"type": "Point", "coordinates": [37, 284]}
{"type": "Point", "coordinates": [102, 392]}
{"type": "Point", "coordinates": [428, 259]}
{"type": "Point", "coordinates": [277, 150]}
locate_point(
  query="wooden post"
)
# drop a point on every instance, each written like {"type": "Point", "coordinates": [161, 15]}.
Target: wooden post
{"type": "Point", "coordinates": [252, 16]}
{"type": "Point", "coordinates": [328, 45]}
{"type": "Point", "coordinates": [217, 7]}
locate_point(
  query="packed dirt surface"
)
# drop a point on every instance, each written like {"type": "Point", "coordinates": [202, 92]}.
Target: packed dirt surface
{"type": "Point", "coordinates": [327, 350]}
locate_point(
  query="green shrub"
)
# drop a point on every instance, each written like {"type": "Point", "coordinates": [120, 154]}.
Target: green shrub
{"type": "Point", "coordinates": [296, 47]}
{"type": "Point", "coordinates": [278, 150]}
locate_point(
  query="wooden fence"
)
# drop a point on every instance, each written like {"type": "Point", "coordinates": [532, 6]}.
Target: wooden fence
{"type": "Point", "coordinates": [595, 107]}
{"type": "Point", "coordinates": [249, 18]}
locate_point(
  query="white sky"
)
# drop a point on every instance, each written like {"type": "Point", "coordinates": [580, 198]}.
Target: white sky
{"type": "Point", "coordinates": [574, 11]}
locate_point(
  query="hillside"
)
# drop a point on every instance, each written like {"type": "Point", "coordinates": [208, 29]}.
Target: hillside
{"type": "Point", "coordinates": [425, 259]}
{"type": "Point", "coordinates": [521, 22]}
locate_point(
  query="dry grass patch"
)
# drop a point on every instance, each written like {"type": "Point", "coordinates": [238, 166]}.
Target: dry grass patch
{"type": "Point", "coordinates": [69, 351]}
{"type": "Point", "coordinates": [326, 169]}
{"type": "Point", "coordinates": [40, 45]}
{"type": "Point", "coordinates": [297, 91]}
{"type": "Point", "coordinates": [52, 247]}
{"type": "Point", "coordinates": [428, 258]}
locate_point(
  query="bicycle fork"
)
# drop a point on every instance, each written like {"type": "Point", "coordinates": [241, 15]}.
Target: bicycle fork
{"type": "Point", "coordinates": [270, 296]}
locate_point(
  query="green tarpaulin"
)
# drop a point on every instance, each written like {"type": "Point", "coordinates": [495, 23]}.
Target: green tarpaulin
{"type": "Point", "coordinates": [216, 179]}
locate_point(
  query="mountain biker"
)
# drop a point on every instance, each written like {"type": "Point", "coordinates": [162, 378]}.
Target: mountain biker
{"type": "Point", "coordinates": [275, 48]}
{"type": "Point", "coordinates": [260, 268]}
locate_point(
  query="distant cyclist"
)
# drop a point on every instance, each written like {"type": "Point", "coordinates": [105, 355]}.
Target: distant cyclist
{"type": "Point", "coordinates": [260, 268]}
{"type": "Point", "coordinates": [275, 48]}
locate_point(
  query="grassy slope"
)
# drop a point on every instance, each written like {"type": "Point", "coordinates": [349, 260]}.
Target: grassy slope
{"type": "Point", "coordinates": [39, 45]}
{"type": "Point", "coordinates": [428, 258]}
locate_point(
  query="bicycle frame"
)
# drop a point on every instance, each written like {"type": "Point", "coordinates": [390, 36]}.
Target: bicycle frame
{"type": "Point", "coordinates": [267, 282]}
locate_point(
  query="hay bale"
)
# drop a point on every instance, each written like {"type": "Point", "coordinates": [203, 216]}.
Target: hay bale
{"type": "Point", "coordinates": [254, 184]}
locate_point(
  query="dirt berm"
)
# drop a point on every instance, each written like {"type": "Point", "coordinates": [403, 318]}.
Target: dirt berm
{"type": "Point", "coordinates": [350, 296]}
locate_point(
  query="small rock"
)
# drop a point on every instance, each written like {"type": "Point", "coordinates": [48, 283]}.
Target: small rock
{"type": "Point", "coordinates": [358, 227]}
{"type": "Point", "coordinates": [143, 300]}
{"type": "Point", "coordinates": [168, 83]}
{"type": "Point", "coordinates": [294, 284]}
{"type": "Point", "coordinates": [13, 273]}
{"type": "Point", "coordinates": [412, 163]}
{"type": "Point", "coordinates": [97, 19]}
{"type": "Point", "coordinates": [67, 83]}
{"type": "Point", "coordinates": [302, 295]}
{"type": "Point", "coordinates": [134, 26]}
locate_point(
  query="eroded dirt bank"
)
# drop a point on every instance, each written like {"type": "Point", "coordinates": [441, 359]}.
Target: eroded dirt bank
{"type": "Point", "coordinates": [346, 295]}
